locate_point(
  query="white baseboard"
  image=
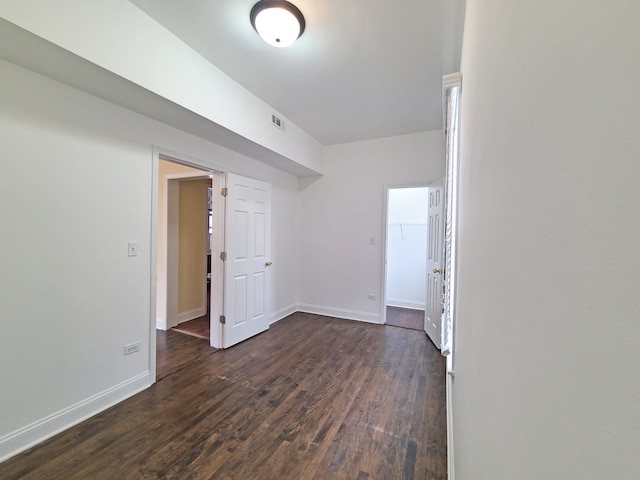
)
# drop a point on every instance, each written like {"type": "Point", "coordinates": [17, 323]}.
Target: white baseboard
{"type": "Point", "coordinates": [340, 313]}
{"type": "Point", "coordinates": [451, 474]}
{"type": "Point", "coordinates": [402, 303]}
{"type": "Point", "coordinates": [45, 428]}
{"type": "Point", "coordinates": [191, 314]}
{"type": "Point", "coordinates": [282, 313]}
{"type": "Point", "coordinates": [39, 431]}
{"type": "Point", "coordinates": [160, 324]}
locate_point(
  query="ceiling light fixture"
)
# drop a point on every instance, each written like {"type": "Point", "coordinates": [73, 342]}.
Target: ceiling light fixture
{"type": "Point", "coordinates": [278, 22]}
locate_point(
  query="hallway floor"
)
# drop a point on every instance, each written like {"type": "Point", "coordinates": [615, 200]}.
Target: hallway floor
{"type": "Point", "coordinates": [405, 318]}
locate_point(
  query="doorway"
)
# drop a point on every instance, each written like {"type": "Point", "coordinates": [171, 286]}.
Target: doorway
{"type": "Point", "coordinates": [238, 222]}
{"type": "Point", "coordinates": [191, 244]}
{"type": "Point", "coordinates": [199, 327]}
{"type": "Point", "coordinates": [188, 271]}
{"type": "Point", "coordinates": [188, 292]}
{"type": "Point", "coordinates": [406, 256]}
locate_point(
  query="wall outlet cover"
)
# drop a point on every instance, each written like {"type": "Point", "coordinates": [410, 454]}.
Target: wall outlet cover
{"type": "Point", "coordinates": [131, 348]}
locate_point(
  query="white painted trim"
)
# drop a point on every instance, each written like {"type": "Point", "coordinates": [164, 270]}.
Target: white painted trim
{"type": "Point", "coordinates": [189, 161]}
{"type": "Point", "coordinates": [187, 176]}
{"type": "Point", "coordinates": [450, 81]}
{"type": "Point", "coordinates": [449, 399]}
{"type": "Point", "coordinates": [160, 324]}
{"type": "Point", "coordinates": [171, 250]}
{"type": "Point", "coordinates": [217, 265]}
{"type": "Point", "coordinates": [153, 271]}
{"type": "Point", "coordinates": [282, 313]}
{"type": "Point", "coordinates": [383, 273]}
{"type": "Point", "coordinates": [39, 431]}
{"type": "Point", "coordinates": [403, 303]}
{"type": "Point", "coordinates": [340, 313]}
{"type": "Point", "coordinates": [191, 314]}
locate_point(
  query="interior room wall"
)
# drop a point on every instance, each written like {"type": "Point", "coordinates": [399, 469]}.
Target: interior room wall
{"type": "Point", "coordinates": [407, 247]}
{"type": "Point", "coordinates": [547, 359]}
{"type": "Point", "coordinates": [165, 168]}
{"type": "Point", "coordinates": [342, 210]}
{"type": "Point", "coordinates": [75, 188]}
{"type": "Point", "coordinates": [192, 248]}
{"type": "Point", "coordinates": [156, 60]}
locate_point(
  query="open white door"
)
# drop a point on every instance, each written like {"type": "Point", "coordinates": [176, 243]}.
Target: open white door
{"type": "Point", "coordinates": [435, 225]}
{"type": "Point", "coordinates": [248, 248]}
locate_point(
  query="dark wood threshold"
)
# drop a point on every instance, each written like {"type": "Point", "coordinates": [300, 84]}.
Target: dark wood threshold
{"type": "Point", "coordinates": [405, 318]}
{"type": "Point", "coordinates": [198, 327]}
{"type": "Point", "coordinates": [176, 351]}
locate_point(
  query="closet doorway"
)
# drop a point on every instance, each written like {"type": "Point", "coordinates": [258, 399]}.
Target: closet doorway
{"type": "Point", "coordinates": [406, 256]}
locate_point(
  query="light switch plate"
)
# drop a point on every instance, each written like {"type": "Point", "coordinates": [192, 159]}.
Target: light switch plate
{"type": "Point", "coordinates": [133, 249]}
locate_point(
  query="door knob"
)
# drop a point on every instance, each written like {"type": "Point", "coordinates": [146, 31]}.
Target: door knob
{"type": "Point", "coordinates": [437, 270]}
{"type": "Point", "coordinates": [268, 264]}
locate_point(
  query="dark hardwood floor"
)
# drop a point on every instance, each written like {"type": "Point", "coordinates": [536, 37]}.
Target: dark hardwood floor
{"type": "Point", "coordinates": [405, 318]}
{"type": "Point", "coordinates": [176, 351]}
{"type": "Point", "coordinates": [312, 398]}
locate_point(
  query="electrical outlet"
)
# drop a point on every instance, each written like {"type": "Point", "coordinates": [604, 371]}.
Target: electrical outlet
{"type": "Point", "coordinates": [371, 296]}
{"type": "Point", "coordinates": [131, 348]}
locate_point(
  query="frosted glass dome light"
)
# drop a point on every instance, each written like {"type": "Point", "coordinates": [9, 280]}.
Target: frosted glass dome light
{"type": "Point", "coordinates": [278, 22]}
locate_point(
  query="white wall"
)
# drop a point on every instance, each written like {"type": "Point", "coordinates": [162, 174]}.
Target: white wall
{"type": "Point", "coordinates": [119, 37]}
{"type": "Point", "coordinates": [407, 247]}
{"type": "Point", "coordinates": [547, 359]}
{"type": "Point", "coordinates": [75, 187]}
{"type": "Point", "coordinates": [343, 209]}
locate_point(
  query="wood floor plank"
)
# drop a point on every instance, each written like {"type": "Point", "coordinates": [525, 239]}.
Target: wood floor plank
{"type": "Point", "coordinates": [198, 327]}
{"type": "Point", "coordinates": [176, 350]}
{"type": "Point", "coordinates": [312, 398]}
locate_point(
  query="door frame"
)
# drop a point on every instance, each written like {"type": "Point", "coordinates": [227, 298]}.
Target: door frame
{"type": "Point", "coordinates": [170, 282]}
{"type": "Point", "coordinates": [217, 172]}
{"type": "Point", "coordinates": [451, 81]}
{"type": "Point", "coordinates": [385, 233]}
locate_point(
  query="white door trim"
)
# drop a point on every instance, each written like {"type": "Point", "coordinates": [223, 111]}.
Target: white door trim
{"type": "Point", "coordinates": [169, 317]}
{"type": "Point", "coordinates": [450, 81]}
{"type": "Point", "coordinates": [217, 265]}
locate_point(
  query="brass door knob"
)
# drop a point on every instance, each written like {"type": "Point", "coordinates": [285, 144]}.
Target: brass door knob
{"type": "Point", "coordinates": [437, 270]}
{"type": "Point", "coordinates": [268, 264]}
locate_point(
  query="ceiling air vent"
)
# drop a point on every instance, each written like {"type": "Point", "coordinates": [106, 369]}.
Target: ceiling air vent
{"type": "Point", "coordinates": [277, 121]}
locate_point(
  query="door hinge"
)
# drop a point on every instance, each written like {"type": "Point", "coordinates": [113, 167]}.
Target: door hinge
{"type": "Point", "coordinates": [223, 319]}
{"type": "Point", "coordinates": [224, 192]}
{"type": "Point", "coordinates": [223, 256]}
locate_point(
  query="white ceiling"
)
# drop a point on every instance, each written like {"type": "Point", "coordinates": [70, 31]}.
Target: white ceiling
{"type": "Point", "coordinates": [362, 69]}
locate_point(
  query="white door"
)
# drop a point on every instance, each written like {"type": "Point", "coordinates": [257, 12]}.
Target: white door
{"type": "Point", "coordinates": [435, 225]}
{"type": "Point", "coordinates": [247, 244]}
